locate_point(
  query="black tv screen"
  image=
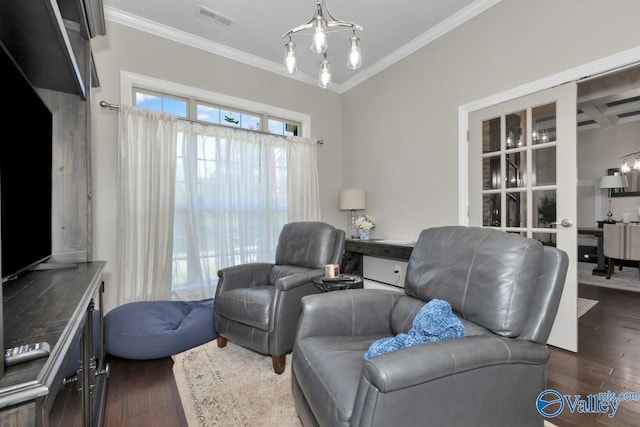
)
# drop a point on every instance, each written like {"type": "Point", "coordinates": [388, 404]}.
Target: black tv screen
{"type": "Point", "coordinates": [25, 172]}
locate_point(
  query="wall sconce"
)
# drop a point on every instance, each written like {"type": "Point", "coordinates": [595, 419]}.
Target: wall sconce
{"type": "Point", "coordinates": [352, 200]}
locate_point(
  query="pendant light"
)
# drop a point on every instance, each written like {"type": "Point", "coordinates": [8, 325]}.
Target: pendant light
{"type": "Point", "coordinates": [290, 61]}
{"type": "Point", "coordinates": [354, 56]}
{"type": "Point", "coordinates": [320, 25]}
{"type": "Point", "coordinates": [324, 75]}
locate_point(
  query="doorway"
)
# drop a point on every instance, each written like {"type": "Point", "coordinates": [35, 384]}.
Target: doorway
{"type": "Point", "coordinates": [608, 136]}
{"type": "Point", "coordinates": [599, 67]}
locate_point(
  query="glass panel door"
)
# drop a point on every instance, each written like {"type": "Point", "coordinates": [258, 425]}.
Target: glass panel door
{"type": "Point", "coordinates": [523, 178]}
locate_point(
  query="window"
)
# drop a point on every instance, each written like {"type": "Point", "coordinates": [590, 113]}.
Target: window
{"type": "Point", "coordinates": [213, 113]}
{"type": "Point", "coordinates": [231, 191]}
{"type": "Point", "coordinates": [148, 100]}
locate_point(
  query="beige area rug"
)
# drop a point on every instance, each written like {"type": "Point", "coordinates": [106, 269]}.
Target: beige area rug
{"type": "Point", "coordinates": [628, 279]}
{"type": "Point", "coordinates": [585, 305]}
{"type": "Point", "coordinates": [233, 387]}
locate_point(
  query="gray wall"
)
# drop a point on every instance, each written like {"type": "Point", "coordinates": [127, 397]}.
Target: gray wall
{"type": "Point", "coordinates": [395, 135]}
{"type": "Point", "coordinates": [407, 158]}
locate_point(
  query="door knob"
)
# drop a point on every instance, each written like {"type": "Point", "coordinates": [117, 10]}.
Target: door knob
{"type": "Point", "coordinates": [566, 223]}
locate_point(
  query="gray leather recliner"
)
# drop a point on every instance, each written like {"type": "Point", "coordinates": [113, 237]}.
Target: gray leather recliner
{"type": "Point", "coordinates": [257, 305]}
{"type": "Point", "coordinates": [503, 287]}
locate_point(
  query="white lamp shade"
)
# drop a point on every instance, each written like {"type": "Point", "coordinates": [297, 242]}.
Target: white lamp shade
{"type": "Point", "coordinates": [613, 181]}
{"type": "Point", "coordinates": [353, 199]}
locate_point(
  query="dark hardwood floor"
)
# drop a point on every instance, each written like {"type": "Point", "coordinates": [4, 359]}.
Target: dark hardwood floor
{"type": "Point", "coordinates": [143, 393]}
{"type": "Point", "coordinates": [608, 358]}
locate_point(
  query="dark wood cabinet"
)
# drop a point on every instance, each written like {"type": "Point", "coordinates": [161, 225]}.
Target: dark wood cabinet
{"type": "Point", "coordinates": [62, 307]}
{"type": "Point", "coordinates": [50, 41]}
{"type": "Point", "coordinates": [355, 249]}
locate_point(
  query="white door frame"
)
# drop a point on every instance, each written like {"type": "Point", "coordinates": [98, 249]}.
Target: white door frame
{"type": "Point", "coordinates": [600, 66]}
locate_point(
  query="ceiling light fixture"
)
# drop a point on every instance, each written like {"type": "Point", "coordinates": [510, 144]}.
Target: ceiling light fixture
{"type": "Point", "coordinates": [320, 25]}
{"type": "Point", "coordinates": [624, 168]}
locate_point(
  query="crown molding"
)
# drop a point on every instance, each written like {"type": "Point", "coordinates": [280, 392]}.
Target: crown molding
{"type": "Point", "coordinates": [170, 33]}
{"type": "Point", "coordinates": [421, 41]}
{"type": "Point", "coordinates": [124, 18]}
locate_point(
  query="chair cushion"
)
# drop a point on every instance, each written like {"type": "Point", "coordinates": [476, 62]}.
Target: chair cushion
{"type": "Point", "coordinates": [250, 306]}
{"type": "Point", "coordinates": [328, 370]}
{"type": "Point", "coordinates": [306, 244]}
{"type": "Point", "coordinates": [153, 329]}
{"type": "Point", "coordinates": [487, 276]}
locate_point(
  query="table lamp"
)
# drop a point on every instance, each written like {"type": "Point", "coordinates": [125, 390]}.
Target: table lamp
{"type": "Point", "coordinates": [610, 182]}
{"type": "Point", "coordinates": [352, 200]}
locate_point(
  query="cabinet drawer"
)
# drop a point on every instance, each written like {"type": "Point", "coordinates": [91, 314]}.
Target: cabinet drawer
{"type": "Point", "coordinates": [382, 250]}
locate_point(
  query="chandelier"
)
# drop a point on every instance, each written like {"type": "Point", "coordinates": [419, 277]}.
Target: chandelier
{"type": "Point", "coordinates": [624, 168]}
{"type": "Point", "coordinates": [320, 24]}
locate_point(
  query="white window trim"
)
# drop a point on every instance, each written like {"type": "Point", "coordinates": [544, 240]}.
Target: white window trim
{"type": "Point", "coordinates": [129, 80]}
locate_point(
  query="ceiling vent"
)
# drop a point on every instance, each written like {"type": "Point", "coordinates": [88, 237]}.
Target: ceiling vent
{"type": "Point", "coordinates": [215, 16]}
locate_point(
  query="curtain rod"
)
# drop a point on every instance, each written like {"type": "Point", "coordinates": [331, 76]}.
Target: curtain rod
{"type": "Point", "coordinates": [116, 107]}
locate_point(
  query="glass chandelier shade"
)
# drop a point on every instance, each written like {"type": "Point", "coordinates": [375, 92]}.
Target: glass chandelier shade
{"type": "Point", "coordinates": [324, 75]}
{"type": "Point", "coordinates": [319, 25]}
{"type": "Point", "coordinates": [319, 40]}
{"type": "Point", "coordinates": [290, 61]}
{"type": "Point", "coordinates": [354, 57]}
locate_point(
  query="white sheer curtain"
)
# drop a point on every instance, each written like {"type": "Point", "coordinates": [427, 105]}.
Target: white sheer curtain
{"type": "Point", "coordinates": [229, 192]}
{"type": "Point", "coordinates": [302, 179]}
{"type": "Point", "coordinates": [147, 150]}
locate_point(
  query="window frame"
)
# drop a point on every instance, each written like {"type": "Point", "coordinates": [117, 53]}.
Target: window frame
{"type": "Point", "coordinates": [131, 81]}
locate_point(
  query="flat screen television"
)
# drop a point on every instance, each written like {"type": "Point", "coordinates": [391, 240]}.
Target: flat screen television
{"type": "Point", "coordinates": [25, 173]}
{"type": "Point", "coordinates": [25, 178]}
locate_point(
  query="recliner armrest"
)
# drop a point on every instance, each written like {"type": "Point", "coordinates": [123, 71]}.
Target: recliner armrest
{"type": "Point", "coordinates": [389, 371]}
{"type": "Point", "coordinates": [350, 312]}
{"type": "Point", "coordinates": [298, 279]}
{"type": "Point", "coordinates": [244, 275]}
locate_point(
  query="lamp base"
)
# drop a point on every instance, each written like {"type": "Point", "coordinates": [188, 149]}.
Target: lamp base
{"type": "Point", "coordinates": [610, 219]}
{"type": "Point", "coordinates": [353, 230]}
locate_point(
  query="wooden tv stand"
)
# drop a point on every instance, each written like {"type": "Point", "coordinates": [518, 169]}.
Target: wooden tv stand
{"type": "Point", "coordinates": [57, 306]}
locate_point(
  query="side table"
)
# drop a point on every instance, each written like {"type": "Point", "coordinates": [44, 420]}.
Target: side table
{"type": "Point", "coordinates": [348, 281]}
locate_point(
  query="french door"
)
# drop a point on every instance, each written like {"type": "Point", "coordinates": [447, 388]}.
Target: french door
{"type": "Point", "coordinates": [523, 179]}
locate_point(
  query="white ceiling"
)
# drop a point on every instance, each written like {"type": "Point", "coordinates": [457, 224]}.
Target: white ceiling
{"type": "Point", "coordinates": [610, 99]}
{"type": "Point", "coordinates": [392, 29]}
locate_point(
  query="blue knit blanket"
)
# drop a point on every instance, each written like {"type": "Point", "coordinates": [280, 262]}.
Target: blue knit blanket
{"type": "Point", "coordinates": [434, 322]}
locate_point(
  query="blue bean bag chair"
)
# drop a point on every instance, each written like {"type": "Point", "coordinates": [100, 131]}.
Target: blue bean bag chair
{"type": "Point", "coordinates": [147, 330]}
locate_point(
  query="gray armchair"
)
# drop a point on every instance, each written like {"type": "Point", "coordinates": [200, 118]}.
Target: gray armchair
{"type": "Point", "coordinates": [503, 287]}
{"type": "Point", "coordinates": [257, 305]}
